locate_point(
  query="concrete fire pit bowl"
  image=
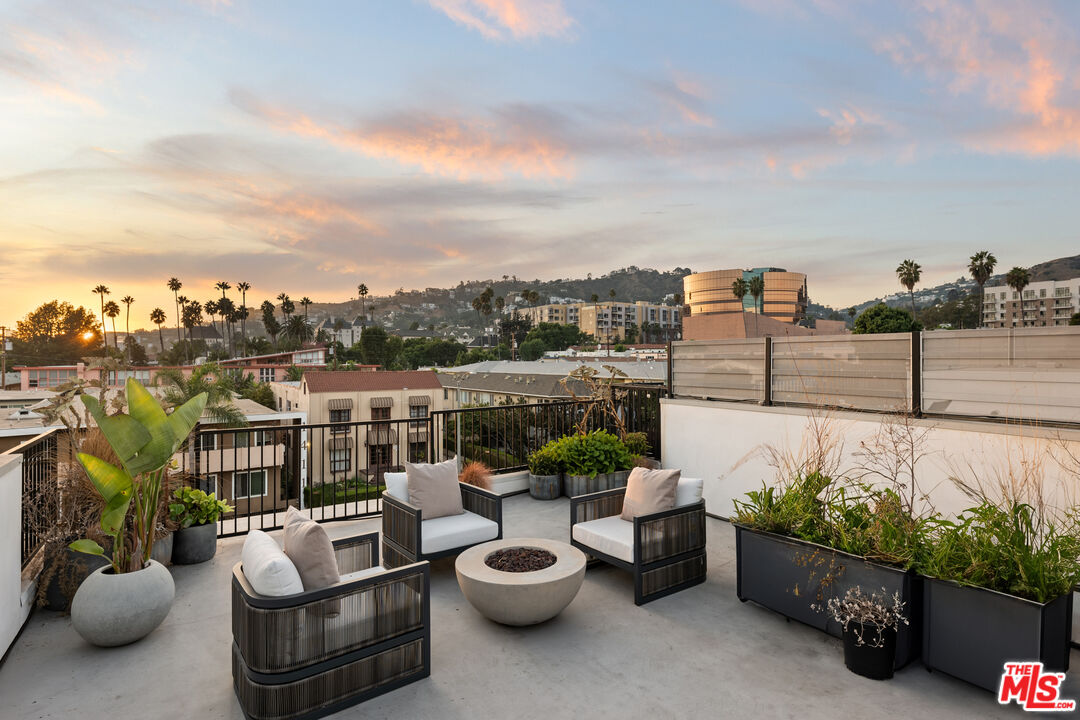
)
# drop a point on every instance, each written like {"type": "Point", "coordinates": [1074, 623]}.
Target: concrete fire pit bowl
{"type": "Point", "coordinates": [520, 598]}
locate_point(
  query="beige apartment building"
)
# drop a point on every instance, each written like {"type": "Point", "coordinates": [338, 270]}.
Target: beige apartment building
{"type": "Point", "coordinates": [610, 320]}
{"type": "Point", "coordinates": [1044, 304]}
{"type": "Point", "coordinates": [393, 405]}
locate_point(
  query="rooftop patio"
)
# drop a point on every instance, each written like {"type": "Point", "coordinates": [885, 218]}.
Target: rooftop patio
{"type": "Point", "coordinates": [699, 652]}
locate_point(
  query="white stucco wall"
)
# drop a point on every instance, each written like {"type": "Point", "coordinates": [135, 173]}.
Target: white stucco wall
{"type": "Point", "coordinates": [726, 444]}
{"type": "Point", "coordinates": [14, 602]}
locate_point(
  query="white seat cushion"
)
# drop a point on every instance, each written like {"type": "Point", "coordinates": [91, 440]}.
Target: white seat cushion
{"type": "Point", "coordinates": [610, 535]}
{"type": "Point", "coordinates": [397, 485]}
{"type": "Point", "coordinates": [454, 531]}
{"type": "Point", "coordinates": [267, 568]}
{"type": "Point", "coordinates": [688, 491]}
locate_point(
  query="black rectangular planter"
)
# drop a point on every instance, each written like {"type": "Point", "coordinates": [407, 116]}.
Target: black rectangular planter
{"type": "Point", "coordinates": [789, 576]}
{"type": "Point", "coordinates": [971, 632]}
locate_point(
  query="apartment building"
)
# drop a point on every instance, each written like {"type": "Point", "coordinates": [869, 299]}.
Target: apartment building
{"type": "Point", "coordinates": [498, 382]}
{"type": "Point", "coordinates": [612, 319]}
{"type": "Point", "coordinates": [1044, 304]}
{"type": "Point", "coordinates": [785, 297]}
{"type": "Point", "coordinates": [394, 405]}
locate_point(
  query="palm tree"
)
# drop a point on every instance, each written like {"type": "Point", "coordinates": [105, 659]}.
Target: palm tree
{"type": "Point", "coordinates": [1019, 278]}
{"type": "Point", "coordinates": [228, 312]}
{"type": "Point", "coordinates": [500, 303]}
{"type": "Point", "coordinates": [112, 310]}
{"type": "Point", "coordinates": [981, 268]}
{"type": "Point", "coordinates": [756, 288]}
{"type": "Point", "coordinates": [286, 306]}
{"type": "Point", "coordinates": [209, 379]}
{"type": "Point", "coordinates": [191, 317]}
{"type": "Point", "coordinates": [305, 301]}
{"type": "Point", "coordinates": [477, 304]}
{"type": "Point", "coordinates": [210, 307]}
{"type": "Point", "coordinates": [157, 316]}
{"type": "Point", "coordinates": [102, 291]}
{"type": "Point", "coordinates": [243, 287]}
{"type": "Point", "coordinates": [298, 329]}
{"type": "Point", "coordinates": [223, 286]}
{"type": "Point", "coordinates": [534, 297]}
{"type": "Point", "coordinates": [175, 286]}
{"type": "Point", "coordinates": [851, 312]}
{"type": "Point", "coordinates": [739, 288]}
{"type": "Point", "coordinates": [909, 273]}
{"type": "Point", "coordinates": [362, 291]}
{"type": "Point", "coordinates": [127, 300]}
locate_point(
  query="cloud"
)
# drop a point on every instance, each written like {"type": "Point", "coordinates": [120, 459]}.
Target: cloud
{"type": "Point", "coordinates": [488, 148]}
{"type": "Point", "coordinates": [1016, 61]}
{"type": "Point", "coordinates": [685, 95]}
{"type": "Point", "coordinates": [523, 19]}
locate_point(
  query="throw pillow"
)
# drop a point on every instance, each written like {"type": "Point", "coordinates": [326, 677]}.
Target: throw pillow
{"type": "Point", "coordinates": [268, 570]}
{"type": "Point", "coordinates": [310, 549]}
{"type": "Point", "coordinates": [434, 488]}
{"type": "Point", "coordinates": [648, 492]}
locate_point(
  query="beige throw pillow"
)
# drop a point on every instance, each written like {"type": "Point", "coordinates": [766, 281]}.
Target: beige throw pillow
{"type": "Point", "coordinates": [434, 489]}
{"type": "Point", "coordinates": [310, 549]}
{"type": "Point", "coordinates": [648, 492]}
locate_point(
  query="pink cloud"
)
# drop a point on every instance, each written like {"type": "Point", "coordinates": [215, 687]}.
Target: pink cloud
{"type": "Point", "coordinates": [1015, 59]}
{"type": "Point", "coordinates": [464, 148]}
{"type": "Point", "coordinates": [523, 19]}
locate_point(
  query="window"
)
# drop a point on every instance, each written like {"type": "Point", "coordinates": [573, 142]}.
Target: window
{"type": "Point", "coordinates": [208, 484]}
{"type": "Point", "coordinates": [417, 411]}
{"type": "Point", "coordinates": [266, 374]}
{"type": "Point", "coordinates": [379, 455]}
{"type": "Point", "coordinates": [1042, 292]}
{"type": "Point", "coordinates": [340, 416]}
{"type": "Point", "coordinates": [382, 413]}
{"type": "Point", "coordinates": [417, 452]}
{"type": "Point", "coordinates": [205, 443]}
{"type": "Point", "coordinates": [252, 439]}
{"type": "Point", "coordinates": [249, 484]}
{"type": "Point", "coordinates": [341, 460]}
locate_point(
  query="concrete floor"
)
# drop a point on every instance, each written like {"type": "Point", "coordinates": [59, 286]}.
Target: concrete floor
{"type": "Point", "coordinates": [699, 653]}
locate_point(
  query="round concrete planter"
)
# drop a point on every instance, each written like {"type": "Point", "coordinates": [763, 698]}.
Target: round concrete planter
{"type": "Point", "coordinates": [545, 487]}
{"type": "Point", "coordinates": [110, 609]}
{"type": "Point", "coordinates": [195, 544]}
{"type": "Point", "coordinates": [520, 598]}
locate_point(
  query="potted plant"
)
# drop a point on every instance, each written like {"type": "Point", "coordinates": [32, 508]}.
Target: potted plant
{"type": "Point", "coordinates": [999, 589]}
{"type": "Point", "coordinates": [869, 624]}
{"type": "Point", "coordinates": [126, 600]}
{"type": "Point", "coordinates": [545, 474]}
{"type": "Point", "coordinates": [593, 461]}
{"type": "Point", "coordinates": [196, 515]}
{"type": "Point", "coordinates": [638, 445]}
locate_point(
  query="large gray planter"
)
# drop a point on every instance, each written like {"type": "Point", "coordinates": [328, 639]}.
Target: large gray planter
{"type": "Point", "coordinates": [162, 551]}
{"type": "Point", "coordinates": [195, 544]}
{"type": "Point", "coordinates": [110, 609]}
{"type": "Point", "coordinates": [791, 576]}
{"type": "Point", "coordinates": [584, 484]}
{"type": "Point", "coordinates": [971, 632]}
{"type": "Point", "coordinates": [545, 487]}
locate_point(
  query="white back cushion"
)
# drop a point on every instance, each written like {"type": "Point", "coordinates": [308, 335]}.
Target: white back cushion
{"type": "Point", "coordinates": [268, 568]}
{"type": "Point", "coordinates": [688, 491]}
{"type": "Point", "coordinates": [397, 485]}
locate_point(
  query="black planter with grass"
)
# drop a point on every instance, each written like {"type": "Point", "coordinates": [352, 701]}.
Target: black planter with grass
{"type": "Point", "coordinates": [791, 576]}
{"type": "Point", "coordinates": [970, 632]}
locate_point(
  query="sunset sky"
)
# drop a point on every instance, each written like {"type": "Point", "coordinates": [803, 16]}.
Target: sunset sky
{"type": "Point", "coordinates": [306, 147]}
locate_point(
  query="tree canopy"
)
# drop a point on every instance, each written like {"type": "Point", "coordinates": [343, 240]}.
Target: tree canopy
{"type": "Point", "coordinates": [557, 337]}
{"type": "Point", "coordinates": [56, 333]}
{"type": "Point", "coordinates": [881, 318]}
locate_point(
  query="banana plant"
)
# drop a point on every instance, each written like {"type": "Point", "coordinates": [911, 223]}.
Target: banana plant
{"type": "Point", "coordinates": [145, 440]}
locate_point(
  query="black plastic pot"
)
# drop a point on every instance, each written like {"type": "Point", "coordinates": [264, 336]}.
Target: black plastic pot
{"type": "Point", "coordinates": [66, 572]}
{"type": "Point", "coordinates": [871, 662]}
{"type": "Point", "coordinates": [790, 576]}
{"type": "Point", "coordinates": [971, 632]}
{"type": "Point", "coordinates": [195, 544]}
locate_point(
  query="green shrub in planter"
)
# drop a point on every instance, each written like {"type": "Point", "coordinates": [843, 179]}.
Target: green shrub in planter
{"type": "Point", "coordinates": [545, 461]}
{"type": "Point", "coordinates": [194, 507]}
{"type": "Point", "coordinates": [592, 454]}
{"type": "Point", "coordinates": [637, 443]}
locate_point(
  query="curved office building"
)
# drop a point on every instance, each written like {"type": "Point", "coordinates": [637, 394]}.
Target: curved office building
{"type": "Point", "coordinates": [784, 299]}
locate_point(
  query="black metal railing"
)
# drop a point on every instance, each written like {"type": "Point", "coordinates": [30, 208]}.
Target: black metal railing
{"type": "Point", "coordinates": [40, 491]}
{"type": "Point", "coordinates": [336, 471]}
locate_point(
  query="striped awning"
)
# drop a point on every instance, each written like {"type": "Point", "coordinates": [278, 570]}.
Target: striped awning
{"type": "Point", "coordinates": [415, 400]}
{"type": "Point", "coordinates": [417, 436]}
{"type": "Point", "coordinates": [382, 402]}
{"type": "Point", "coordinates": [339, 404]}
{"type": "Point", "coordinates": [382, 436]}
{"type": "Point", "coordinates": [340, 443]}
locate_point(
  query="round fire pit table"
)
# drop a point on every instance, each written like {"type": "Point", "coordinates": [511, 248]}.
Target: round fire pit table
{"type": "Point", "coordinates": [520, 598]}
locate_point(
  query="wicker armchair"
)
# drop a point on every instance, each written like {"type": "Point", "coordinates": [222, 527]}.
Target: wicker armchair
{"type": "Point", "coordinates": [665, 551]}
{"type": "Point", "coordinates": [314, 653]}
{"type": "Point", "coordinates": [407, 537]}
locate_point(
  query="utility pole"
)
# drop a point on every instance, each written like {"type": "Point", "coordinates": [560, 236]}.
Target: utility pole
{"type": "Point", "coordinates": [3, 357]}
